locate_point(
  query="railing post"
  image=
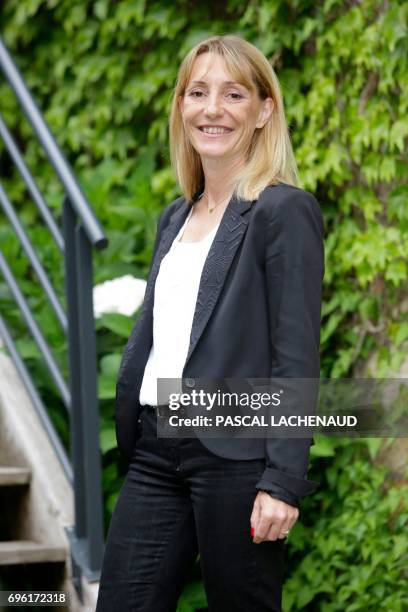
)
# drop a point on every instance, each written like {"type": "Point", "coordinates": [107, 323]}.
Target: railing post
{"type": "Point", "coordinates": [87, 537]}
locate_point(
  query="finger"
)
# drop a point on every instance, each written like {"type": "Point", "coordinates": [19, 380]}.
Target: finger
{"type": "Point", "coordinates": [284, 532]}
{"type": "Point", "coordinates": [288, 523]}
{"type": "Point", "coordinates": [286, 526]}
{"type": "Point", "coordinates": [273, 534]}
{"type": "Point", "coordinates": [262, 529]}
{"type": "Point", "coordinates": [281, 518]}
{"type": "Point", "coordinates": [274, 529]}
{"type": "Point", "coordinates": [293, 518]}
{"type": "Point", "coordinates": [255, 516]}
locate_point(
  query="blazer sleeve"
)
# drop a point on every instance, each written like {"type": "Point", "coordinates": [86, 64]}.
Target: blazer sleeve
{"type": "Point", "coordinates": [294, 274]}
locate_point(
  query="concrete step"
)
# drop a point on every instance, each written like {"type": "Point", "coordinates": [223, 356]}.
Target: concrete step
{"type": "Point", "coordinates": [27, 551]}
{"type": "Point", "coordinates": [14, 476]}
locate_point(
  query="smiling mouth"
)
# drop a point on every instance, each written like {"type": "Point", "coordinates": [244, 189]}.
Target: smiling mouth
{"type": "Point", "coordinates": [215, 131]}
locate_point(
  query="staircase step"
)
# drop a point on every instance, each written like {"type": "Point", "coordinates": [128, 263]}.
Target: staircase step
{"type": "Point", "coordinates": [14, 476]}
{"type": "Point", "coordinates": [27, 551]}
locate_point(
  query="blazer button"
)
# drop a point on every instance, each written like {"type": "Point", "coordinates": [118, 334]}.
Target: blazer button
{"type": "Point", "coordinates": [190, 382]}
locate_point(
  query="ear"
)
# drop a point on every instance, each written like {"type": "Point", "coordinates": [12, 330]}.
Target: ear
{"type": "Point", "coordinates": [266, 111]}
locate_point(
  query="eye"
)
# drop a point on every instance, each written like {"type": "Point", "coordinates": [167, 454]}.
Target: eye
{"type": "Point", "coordinates": [235, 95]}
{"type": "Point", "coordinates": [197, 94]}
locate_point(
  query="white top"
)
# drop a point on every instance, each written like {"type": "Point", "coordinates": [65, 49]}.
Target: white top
{"type": "Point", "coordinates": [175, 296]}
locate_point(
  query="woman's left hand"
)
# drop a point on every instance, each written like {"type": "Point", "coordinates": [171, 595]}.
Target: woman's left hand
{"type": "Point", "coordinates": [271, 517]}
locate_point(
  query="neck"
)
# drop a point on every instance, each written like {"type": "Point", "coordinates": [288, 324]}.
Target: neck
{"type": "Point", "coordinates": [219, 176]}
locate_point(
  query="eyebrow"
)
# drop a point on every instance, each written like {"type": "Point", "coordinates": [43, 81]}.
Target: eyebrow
{"type": "Point", "coordinates": [223, 83]}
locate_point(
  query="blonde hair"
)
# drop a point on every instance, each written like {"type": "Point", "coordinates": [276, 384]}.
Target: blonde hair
{"type": "Point", "coordinates": [271, 159]}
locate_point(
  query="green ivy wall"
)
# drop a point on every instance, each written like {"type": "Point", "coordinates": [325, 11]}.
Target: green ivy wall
{"type": "Point", "coordinates": [103, 73]}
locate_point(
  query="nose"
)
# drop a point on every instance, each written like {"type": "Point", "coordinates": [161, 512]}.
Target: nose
{"type": "Point", "coordinates": [213, 107]}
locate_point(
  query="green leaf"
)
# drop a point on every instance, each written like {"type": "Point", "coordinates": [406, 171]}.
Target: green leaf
{"type": "Point", "coordinates": [110, 364]}
{"type": "Point", "coordinates": [323, 447]}
{"type": "Point", "coordinates": [119, 324]}
{"type": "Point", "coordinates": [106, 388]}
{"type": "Point", "coordinates": [108, 439]}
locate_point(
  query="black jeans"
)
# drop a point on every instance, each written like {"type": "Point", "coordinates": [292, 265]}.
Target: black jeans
{"type": "Point", "coordinates": [179, 500]}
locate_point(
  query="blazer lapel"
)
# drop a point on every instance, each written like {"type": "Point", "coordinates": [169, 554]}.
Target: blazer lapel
{"type": "Point", "coordinates": [166, 240]}
{"type": "Point", "coordinates": [227, 239]}
{"type": "Point", "coordinates": [220, 256]}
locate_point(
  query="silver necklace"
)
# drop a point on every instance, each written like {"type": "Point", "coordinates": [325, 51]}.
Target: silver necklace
{"type": "Point", "coordinates": [211, 208]}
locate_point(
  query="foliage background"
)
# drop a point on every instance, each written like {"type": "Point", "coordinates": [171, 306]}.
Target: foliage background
{"type": "Point", "coordinates": [102, 72]}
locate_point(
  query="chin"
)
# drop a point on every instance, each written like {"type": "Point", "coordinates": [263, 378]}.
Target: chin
{"type": "Point", "coordinates": [207, 155]}
{"type": "Point", "coordinates": [212, 151]}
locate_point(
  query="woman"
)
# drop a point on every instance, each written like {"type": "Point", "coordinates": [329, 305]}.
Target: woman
{"type": "Point", "coordinates": [234, 291]}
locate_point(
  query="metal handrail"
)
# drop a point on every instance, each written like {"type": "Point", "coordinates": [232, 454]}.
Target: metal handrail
{"type": "Point", "coordinates": [81, 232]}
{"type": "Point", "coordinates": [29, 249]}
{"type": "Point", "coordinates": [31, 184]}
{"type": "Point", "coordinates": [36, 332]}
{"type": "Point", "coordinates": [61, 166]}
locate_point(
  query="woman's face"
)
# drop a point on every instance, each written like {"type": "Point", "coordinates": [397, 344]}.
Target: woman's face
{"type": "Point", "coordinates": [219, 114]}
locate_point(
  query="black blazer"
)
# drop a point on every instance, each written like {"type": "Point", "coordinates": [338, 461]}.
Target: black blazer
{"type": "Point", "coordinates": [257, 315]}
